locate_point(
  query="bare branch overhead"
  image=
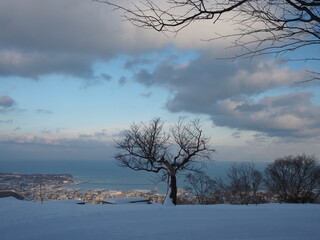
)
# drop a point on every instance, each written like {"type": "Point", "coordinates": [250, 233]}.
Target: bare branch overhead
{"type": "Point", "coordinates": [261, 27]}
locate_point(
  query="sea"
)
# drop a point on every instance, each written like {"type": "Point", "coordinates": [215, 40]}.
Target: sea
{"type": "Point", "coordinates": [107, 175]}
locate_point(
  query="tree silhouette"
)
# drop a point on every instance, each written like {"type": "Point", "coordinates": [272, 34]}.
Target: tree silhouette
{"type": "Point", "coordinates": [149, 147]}
{"type": "Point", "coordinates": [294, 178]}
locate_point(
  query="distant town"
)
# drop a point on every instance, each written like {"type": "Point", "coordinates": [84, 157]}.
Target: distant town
{"type": "Point", "coordinates": [42, 187]}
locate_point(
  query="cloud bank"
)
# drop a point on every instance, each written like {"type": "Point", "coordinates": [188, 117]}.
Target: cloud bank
{"type": "Point", "coordinates": [68, 37]}
{"type": "Point", "coordinates": [63, 37]}
{"type": "Point", "coordinates": [230, 92]}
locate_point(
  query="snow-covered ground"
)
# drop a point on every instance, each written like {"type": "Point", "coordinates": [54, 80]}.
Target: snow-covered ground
{"type": "Point", "coordinates": [67, 220]}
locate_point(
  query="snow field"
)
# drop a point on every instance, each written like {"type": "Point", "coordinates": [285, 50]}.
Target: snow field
{"type": "Point", "coordinates": [66, 220]}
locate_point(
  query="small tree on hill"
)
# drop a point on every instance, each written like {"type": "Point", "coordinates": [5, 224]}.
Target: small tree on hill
{"type": "Point", "coordinates": [200, 185]}
{"type": "Point", "coordinates": [244, 181]}
{"type": "Point", "coordinates": [240, 186]}
{"type": "Point", "coordinates": [294, 179]}
{"type": "Point", "coordinates": [149, 147]}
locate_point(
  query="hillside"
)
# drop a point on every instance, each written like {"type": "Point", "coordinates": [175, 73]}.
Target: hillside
{"type": "Point", "coordinates": [67, 220]}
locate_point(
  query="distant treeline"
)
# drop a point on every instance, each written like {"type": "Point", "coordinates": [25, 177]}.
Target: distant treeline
{"type": "Point", "coordinates": [291, 179]}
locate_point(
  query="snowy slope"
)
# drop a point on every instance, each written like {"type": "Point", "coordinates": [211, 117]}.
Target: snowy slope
{"type": "Point", "coordinates": [67, 220]}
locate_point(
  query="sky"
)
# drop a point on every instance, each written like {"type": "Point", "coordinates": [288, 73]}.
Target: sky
{"type": "Point", "coordinates": [74, 75]}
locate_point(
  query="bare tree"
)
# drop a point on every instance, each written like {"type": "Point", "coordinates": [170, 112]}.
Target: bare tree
{"type": "Point", "coordinates": [260, 26]}
{"type": "Point", "coordinates": [240, 186]}
{"type": "Point", "coordinates": [294, 178]}
{"type": "Point", "coordinates": [244, 181]}
{"type": "Point", "coordinates": [200, 185]}
{"type": "Point", "coordinates": [149, 147]}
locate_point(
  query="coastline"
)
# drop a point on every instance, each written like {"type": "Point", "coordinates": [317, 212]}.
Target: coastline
{"type": "Point", "coordinates": [43, 187]}
{"type": "Point", "coordinates": [94, 180]}
{"type": "Point", "coordinates": [94, 173]}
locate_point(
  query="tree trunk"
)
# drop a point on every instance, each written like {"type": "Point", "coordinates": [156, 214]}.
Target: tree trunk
{"type": "Point", "coordinates": [171, 197]}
